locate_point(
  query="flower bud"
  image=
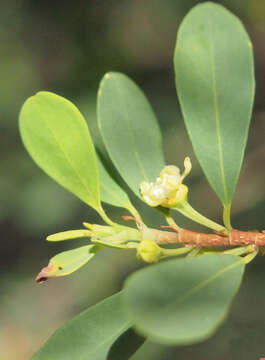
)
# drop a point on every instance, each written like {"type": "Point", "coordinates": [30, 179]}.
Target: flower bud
{"type": "Point", "coordinates": [148, 251]}
{"type": "Point", "coordinates": [187, 167]}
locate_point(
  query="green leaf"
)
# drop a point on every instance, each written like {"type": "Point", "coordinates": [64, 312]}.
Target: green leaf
{"type": "Point", "coordinates": [88, 336]}
{"type": "Point", "coordinates": [215, 84]}
{"type": "Point", "coordinates": [129, 130]}
{"type": "Point", "coordinates": [110, 191]}
{"type": "Point", "coordinates": [125, 346]}
{"type": "Point", "coordinates": [183, 301]}
{"type": "Point", "coordinates": [67, 262]}
{"type": "Point", "coordinates": [57, 137]}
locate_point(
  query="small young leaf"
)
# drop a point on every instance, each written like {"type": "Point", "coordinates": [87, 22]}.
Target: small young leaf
{"type": "Point", "coordinates": [57, 137]}
{"type": "Point", "coordinates": [67, 262]}
{"type": "Point", "coordinates": [183, 301]}
{"type": "Point", "coordinates": [129, 130]}
{"type": "Point", "coordinates": [88, 336]}
{"type": "Point", "coordinates": [69, 235]}
{"type": "Point", "coordinates": [215, 84]}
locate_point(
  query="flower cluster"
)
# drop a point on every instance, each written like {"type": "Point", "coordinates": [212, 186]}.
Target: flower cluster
{"type": "Point", "coordinates": [167, 190]}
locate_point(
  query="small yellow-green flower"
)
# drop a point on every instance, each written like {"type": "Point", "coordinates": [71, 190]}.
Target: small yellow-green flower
{"type": "Point", "coordinates": [168, 189]}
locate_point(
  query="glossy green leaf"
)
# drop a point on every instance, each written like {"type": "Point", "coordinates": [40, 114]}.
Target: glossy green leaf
{"type": "Point", "coordinates": [57, 137]}
{"type": "Point", "coordinates": [129, 130]}
{"type": "Point", "coordinates": [110, 192]}
{"type": "Point", "coordinates": [183, 301]}
{"type": "Point", "coordinates": [215, 84]}
{"type": "Point", "coordinates": [88, 336]}
{"type": "Point", "coordinates": [67, 262]}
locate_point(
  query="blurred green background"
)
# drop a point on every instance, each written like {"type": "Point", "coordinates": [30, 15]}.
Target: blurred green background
{"type": "Point", "coordinates": [66, 47]}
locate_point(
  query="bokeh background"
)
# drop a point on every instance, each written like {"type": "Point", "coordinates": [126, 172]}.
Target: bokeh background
{"type": "Point", "coordinates": [66, 47]}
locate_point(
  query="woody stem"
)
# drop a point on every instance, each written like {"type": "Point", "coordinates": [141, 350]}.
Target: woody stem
{"type": "Point", "coordinates": [235, 238]}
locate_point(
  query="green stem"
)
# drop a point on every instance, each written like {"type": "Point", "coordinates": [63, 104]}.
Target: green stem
{"type": "Point", "coordinates": [227, 216]}
{"type": "Point", "coordinates": [236, 251]}
{"type": "Point", "coordinates": [105, 217]}
{"type": "Point", "coordinates": [169, 219]}
{"type": "Point", "coordinates": [187, 210]}
{"type": "Point", "coordinates": [194, 252]}
{"type": "Point", "coordinates": [248, 258]}
{"type": "Point", "coordinates": [134, 212]}
{"type": "Point", "coordinates": [175, 252]}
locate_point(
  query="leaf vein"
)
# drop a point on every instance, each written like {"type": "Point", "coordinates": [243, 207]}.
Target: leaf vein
{"type": "Point", "coordinates": [67, 157]}
{"type": "Point", "coordinates": [217, 118]}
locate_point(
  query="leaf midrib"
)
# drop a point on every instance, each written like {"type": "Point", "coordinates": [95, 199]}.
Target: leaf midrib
{"type": "Point", "coordinates": [202, 284]}
{"type": "Point", "coordinates": [217, 117]}
{"type": "Point", "coordinates": [68, 160]}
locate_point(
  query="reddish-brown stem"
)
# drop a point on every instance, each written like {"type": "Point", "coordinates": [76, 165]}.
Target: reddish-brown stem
{"type": "Point", "coordinates": [191, 238]}
{"type": "Point", "coordinates": [187, 237]}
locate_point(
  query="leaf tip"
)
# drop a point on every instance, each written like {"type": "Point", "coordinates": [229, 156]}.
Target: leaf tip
{"type": "Point", "coordinates": [107, 76]}
{"type": "Point", "coordinates": [88, 225]}
{"type": "Point", "coordinates": [111, 74]}
{"type": "Point", "coordinates": [44, 274]}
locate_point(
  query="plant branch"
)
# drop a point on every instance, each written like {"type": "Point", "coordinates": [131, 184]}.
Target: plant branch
{"type": "Point", "coordinates": [187, 237]}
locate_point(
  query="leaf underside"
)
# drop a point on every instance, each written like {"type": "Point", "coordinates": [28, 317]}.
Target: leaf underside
{"type": "Point", "coordinates": [129, 129]}
{"type": "Point", "coordinates": [182, 301]}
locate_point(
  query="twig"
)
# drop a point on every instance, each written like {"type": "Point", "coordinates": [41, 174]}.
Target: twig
{"type": "Point", "coordinates": [187, 237]}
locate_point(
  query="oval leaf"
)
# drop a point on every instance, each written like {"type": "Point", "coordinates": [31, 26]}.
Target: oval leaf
{"type": "Point", "coordinates": [57, 137]}
{"type": "Point", "coordinates": [215, 84]}
{"type": "Point", "coordinates": [67, 262]}
{"type": "Point", "coordinates": [111, 193]}
{"type": "Point", "coordinates": [88, 336]}
{"type": "Point", "coordinates": [183, 301]}
{"type": "Point", "coordinates": [129, 130]}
